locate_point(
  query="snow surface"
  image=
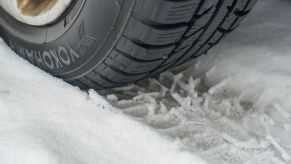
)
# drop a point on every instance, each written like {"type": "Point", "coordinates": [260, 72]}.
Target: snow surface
{"type": "Point", "coordinates": [233, 106]}
{"type": "Point", "coordinates": [44, 120]}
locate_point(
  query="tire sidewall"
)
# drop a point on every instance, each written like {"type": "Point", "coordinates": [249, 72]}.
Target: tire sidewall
{"type": "Point", "coordinates": [65, 47]}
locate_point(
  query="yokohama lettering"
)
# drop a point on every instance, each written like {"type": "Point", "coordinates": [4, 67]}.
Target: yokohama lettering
{"type": "Point", "coordinates": [51, 59]}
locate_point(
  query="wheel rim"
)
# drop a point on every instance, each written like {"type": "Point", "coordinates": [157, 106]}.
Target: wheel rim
{"type": "Point", "coordinates": [35, 12]}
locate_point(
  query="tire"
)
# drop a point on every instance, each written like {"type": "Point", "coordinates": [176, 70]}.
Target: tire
{"type": "Point", "coordinates": [103, 44]}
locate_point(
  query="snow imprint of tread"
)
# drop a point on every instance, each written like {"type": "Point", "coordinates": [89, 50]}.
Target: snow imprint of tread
{"type": "Point", "coordinates": [207, 120]}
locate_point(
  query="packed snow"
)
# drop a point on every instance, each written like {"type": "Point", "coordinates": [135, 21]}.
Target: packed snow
{"type": "Point", "coordinates": [232, 107]}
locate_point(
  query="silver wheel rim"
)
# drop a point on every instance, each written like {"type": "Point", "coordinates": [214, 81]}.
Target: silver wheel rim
{"type": "Point", "coordinates": [35, 12]}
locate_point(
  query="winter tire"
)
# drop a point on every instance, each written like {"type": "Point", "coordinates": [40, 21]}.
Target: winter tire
{"type": "Point", "coordinates": [108, 43]}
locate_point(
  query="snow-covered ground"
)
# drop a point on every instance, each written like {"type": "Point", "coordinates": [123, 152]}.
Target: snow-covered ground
{"type": "Point", "coordinates": [233, 106]}
{"type": "Point", "coordinates": [44, 120]}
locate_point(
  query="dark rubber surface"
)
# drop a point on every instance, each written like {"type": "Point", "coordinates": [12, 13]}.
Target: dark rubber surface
{"type": "Point", "coordinates": [108, 43]}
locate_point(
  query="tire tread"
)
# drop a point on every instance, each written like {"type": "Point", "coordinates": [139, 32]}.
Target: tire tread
{"type": "Point", "coordinates": [162, 34]}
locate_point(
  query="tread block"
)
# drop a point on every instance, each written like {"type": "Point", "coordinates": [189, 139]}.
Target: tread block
{"type": "Point", "coordinates": [166, 12]}
{"type": "Point", "coordinates": [176, 55]}
{"type": "Point", "coordinates": [200, 22]}
{"type": "Point", "coordinates": [113, 75]}
{"type": "Point", "coordinates": [207, 4]}
{"type": "Point", "coordinates": [142, 53]}
{"type": "Point", "coordinates": [96, 81]}
{"type": "Point", "coordinates": [215, 22]}
{"type": "Point", "coordinates": [131, 65]}
{"type": "Point", "coordinates": [233, 18]}
{"type": "Point", "coordinates": [152, 35]}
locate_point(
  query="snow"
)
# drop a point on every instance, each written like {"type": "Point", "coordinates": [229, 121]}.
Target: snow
{"type": "Point", "coordinates": [44, 120]}
{"type": "Point", "coordinates": [233, 106]}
